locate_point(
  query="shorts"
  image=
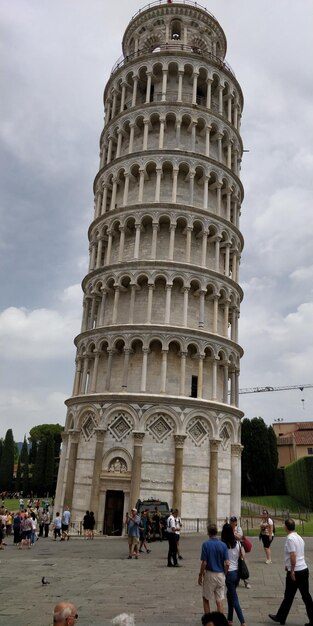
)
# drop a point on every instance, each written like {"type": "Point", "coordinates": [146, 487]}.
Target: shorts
{"type": "Point", "coordinates": [26, 534]}
{"type": "Point", "coordinates": [214, 586]}
{"type": "Point", "coordinates": [266, 541]}
{"type": "Point", "coordinates": [133, 541]}
{"type": "Point", "coordinates": [64, 527]}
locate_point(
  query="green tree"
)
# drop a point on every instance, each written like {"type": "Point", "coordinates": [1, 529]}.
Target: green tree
{"type": "Point", "coordinates": [23, 459]}
{"type": "Point", "coordinates": [7, 463]}
{"type": "Point", "coordinates": [45, 441]}
{"type": "Point", "coordinates": [49, 465]}
{"type": "Point", "coordinates": [259, 460]}
{"type": "Point", "coordinates": [38, 482]}
{"type": "Point", "coordinates": [273, 466]}
{"type": "Point", "coordinates": [1, 448]}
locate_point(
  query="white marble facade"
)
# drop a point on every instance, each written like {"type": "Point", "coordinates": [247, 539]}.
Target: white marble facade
{"type": "Point", "coordinates": [154, 410]}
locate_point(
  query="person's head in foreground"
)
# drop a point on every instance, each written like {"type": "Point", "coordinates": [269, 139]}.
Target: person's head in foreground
{"type": "Point", "coordinates": [212, 530]}
{"type": "Point", "coordinates": [124, 619]}
{"type": "Point", "coordinates": [214, 619]}
{"type": "Point", "coordinates": [65, 614]}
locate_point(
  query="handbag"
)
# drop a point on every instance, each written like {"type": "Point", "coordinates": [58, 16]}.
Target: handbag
{"type": "Point", "coordinates": [247, 545]}
{"type": "Point", "coordinates": [243, 571]}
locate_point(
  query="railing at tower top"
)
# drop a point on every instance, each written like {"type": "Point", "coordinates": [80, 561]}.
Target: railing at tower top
{"type": "Point", "coordinates": [173, 46]}
{"type": "Point", "coordinates": [159, 2]}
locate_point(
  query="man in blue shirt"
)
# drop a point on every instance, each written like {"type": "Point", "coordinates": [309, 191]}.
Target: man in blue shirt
{"type": "Point", "coordinates": [214, 567]}
{"type": "Point", "coordinates": [133, 523]}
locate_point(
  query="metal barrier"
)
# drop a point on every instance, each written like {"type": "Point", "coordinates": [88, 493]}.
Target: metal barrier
{"type": "Point", "coordinates": [189, 525]}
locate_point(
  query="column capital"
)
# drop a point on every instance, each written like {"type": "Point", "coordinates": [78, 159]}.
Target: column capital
{"type": "Point", "coordinates": [214, 445]}
{"type": "Point", "coordinates": [236, 450]}
{"type": "Point", "coordinates": [74, 435]}
{"type": "Point", "coordinates": [100, 433]}
{"type": "Point", "coordinates": [138, 438]}
{"type": "Point", "coordinates": [64, 437]}
{"type": "Point", "coordinates": [179, 440]}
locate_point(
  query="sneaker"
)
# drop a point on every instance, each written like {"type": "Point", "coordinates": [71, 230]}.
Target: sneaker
{"type": "Point", "coordinates": [248, 586]}
{"type": "Point", "coordinates": [180, 557]}
{"type": "Point", "coordinates": [148, 551]}
{"type": "Point", "coordinates": [268, 561]}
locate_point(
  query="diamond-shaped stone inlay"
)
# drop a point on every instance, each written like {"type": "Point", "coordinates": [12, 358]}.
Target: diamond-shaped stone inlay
{"type": "Point", "coordinates": [197, 431]}
{"type": "Point", "coordinates": [88, 426]}
{"type": "Point", "coordinates": [120, 427]}
{"type": "Point", "coordinates": [225, 437]}
{"type": "Point", "coordinates": [160, 428]}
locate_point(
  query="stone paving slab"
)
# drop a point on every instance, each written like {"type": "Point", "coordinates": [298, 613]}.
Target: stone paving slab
{"type": "Point", "coordinates": [102, 582]}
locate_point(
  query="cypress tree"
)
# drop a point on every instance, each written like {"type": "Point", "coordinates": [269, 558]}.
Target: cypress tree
{"type": "Point", "coordinates": [24, 467]}
{"type": "Point", "coordinates": [49, 465]}
{"type": "Point", "coordinates": [39, 469]}
{"type": "Point", "coordinates": [7, 463]}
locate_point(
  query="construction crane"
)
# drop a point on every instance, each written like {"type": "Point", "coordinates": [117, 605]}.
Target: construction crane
{"type": "Point", "coordinates": [262, 389]}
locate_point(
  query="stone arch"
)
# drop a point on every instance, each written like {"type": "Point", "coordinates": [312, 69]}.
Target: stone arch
{"type": "Point", "coordinates": [88, 417]}
{"type": "Point", "coordinates": [161, 429]}
{"type": "Point", "coordinates": [117, 452]}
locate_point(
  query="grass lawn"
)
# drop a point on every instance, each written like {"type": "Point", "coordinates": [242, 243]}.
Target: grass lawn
{"type": "Point", "coordinates": [277, 504]}
{"type": "Point", "coordinates": [14, 503]}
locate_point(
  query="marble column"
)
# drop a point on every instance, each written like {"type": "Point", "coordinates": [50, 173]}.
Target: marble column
{"type": "Point", "coordinates": [213, 481]}
{"type": "Point", "coordinates": [178, 471]}
{"type": "Point", "coordinates": [71, 467]}
{"type": "Point", "coordinates": [60, 483]}
{"type": "Point", "coordinates": [235, 487]}
{"type": "Point", "coordinates": [97, 466]}
{"type": "Point", "coordinates": [136, 469]}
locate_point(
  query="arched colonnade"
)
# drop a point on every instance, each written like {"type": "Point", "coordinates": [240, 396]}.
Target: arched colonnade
{"type": "Point", "coordinates": [158, 364]}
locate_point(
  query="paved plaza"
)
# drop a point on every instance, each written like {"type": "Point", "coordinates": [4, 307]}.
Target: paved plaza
{"type": "Point", "coordinates": [99, 579]}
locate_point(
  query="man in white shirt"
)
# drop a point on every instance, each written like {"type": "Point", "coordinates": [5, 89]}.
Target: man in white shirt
{"type": "Point", "coordinates": [172, 541]}
{"type": "Point", "coordinates": [297, 576]}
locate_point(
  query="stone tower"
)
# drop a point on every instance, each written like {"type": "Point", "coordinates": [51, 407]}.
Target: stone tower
{"type": "Point", "coordinates": [154, 410]}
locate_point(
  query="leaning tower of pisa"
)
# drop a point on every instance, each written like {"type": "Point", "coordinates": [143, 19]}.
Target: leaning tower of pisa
{"type": "Point", "coordinates": [154, 409]}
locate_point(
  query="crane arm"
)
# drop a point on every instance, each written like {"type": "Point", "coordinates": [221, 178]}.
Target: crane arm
{"type": "Point", "coordinates": [262, 389]}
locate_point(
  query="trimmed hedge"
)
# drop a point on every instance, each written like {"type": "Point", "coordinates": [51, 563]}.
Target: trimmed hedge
{"type": "Point", "coordinates": [299, 481]}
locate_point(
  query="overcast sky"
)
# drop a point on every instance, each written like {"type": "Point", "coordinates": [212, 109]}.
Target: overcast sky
{"type": "Point", "coordinates": [55, 58]}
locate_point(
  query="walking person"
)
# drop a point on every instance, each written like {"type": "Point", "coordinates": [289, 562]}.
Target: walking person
{"type": "Point", "coordinates": [214, 567]}
{"type": "Point", "coordinates": [46, 522]}
{"type": "Point", "coordinates": [33, 536]}
{"type": "Point", "coordinates": [57, 525]}
{"type": "Point", "coordinates": [86, 525]}
{"type": "Point", "coordinates": [143, 528]}
{"type": "Point", "coordinates": [232, 576]}
{"type": "Point", "coordinates": [133, 523]}
{"type": "Point", "coordinates": [92, 525]}
{"type": "Point", "coordinates": [297, 575]}
{"type": "Point", "coordinates": [66, 524]}
{"type": "Point", "coordinates": [267, 535]}
{"type": "Point", "coordinates": [172, 541]}
{"type": "Point", "coordinates": [178, 524]}
{"type": "Point", "coordinates": [26, 528]}
{"type": "Point", "coordinates": [17, 528]}
{"type": "Point", "coordinates": [238, 532]}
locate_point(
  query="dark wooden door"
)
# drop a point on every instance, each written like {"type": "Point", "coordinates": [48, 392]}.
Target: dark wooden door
{"type": "Point", "coordinates": [113, 513]}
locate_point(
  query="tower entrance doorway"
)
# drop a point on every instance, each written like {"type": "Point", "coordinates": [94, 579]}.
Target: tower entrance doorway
{"type": "Point", "coordinates": [113, 513]}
